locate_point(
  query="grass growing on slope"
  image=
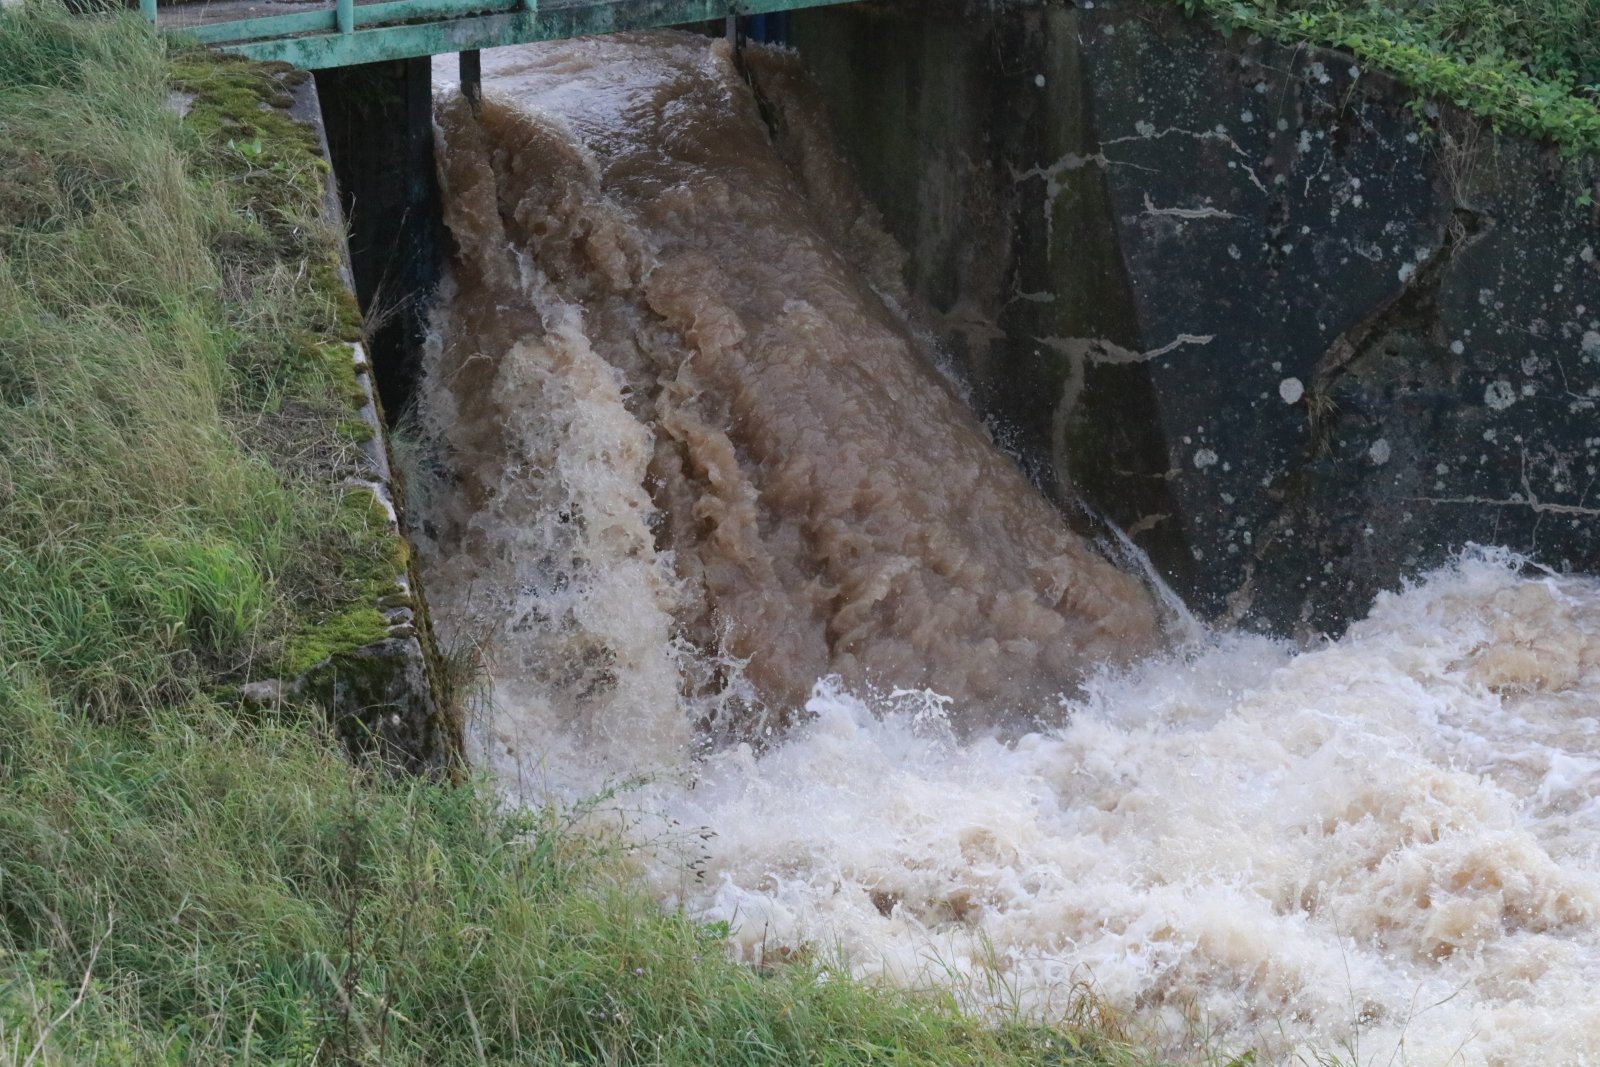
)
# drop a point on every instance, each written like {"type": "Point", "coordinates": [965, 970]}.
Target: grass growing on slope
{"type": "Point", "coordinates": [1527, 65]}
{"type": "Point", "coordinates": [168, 443]}
{"type": "Point", "coordinates": [238, 893]}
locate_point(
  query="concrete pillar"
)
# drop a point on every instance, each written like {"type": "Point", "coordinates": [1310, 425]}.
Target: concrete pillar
{"type": "Point", "coordinates": [379, 120]}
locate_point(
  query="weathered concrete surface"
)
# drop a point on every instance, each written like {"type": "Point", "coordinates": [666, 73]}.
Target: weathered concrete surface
{"type": "Point", "coordinates": [383, 691]}
{"type": "Point", "coordinates": [1296, 343]}
{"type": "Point", "coordinates": [378, 124]}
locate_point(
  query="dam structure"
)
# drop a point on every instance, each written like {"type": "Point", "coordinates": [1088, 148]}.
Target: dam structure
{"type": "Point", "coordinates": [1053, 497]}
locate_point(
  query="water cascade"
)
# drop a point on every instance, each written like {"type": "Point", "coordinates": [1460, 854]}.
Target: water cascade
{"type": "Point", "coordinates": [692, 474]}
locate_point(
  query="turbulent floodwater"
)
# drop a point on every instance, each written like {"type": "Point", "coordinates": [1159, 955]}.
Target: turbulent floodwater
{"type": "Point", "coordinates": [692, 477]}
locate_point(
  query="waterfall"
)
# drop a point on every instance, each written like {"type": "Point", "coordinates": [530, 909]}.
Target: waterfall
{"type": "Point", "coordinates": [691, 470]}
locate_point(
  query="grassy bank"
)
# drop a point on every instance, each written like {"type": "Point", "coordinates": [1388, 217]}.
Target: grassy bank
{"type": "Point", "coordinates": [183, 880]}
{"type": "Point", "coordinates": [170, 396]}
{"type": "Point", "coordinates": [196, 890]}
{"type": "Point", "coordinates": [1529, 66]}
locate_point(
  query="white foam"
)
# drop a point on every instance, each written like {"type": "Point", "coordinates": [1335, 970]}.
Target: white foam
{"type": "Point", "coordinates": [1384, 848]}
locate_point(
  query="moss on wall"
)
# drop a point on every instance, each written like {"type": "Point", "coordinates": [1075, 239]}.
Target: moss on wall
{"type": "Point", "coordinates": [360, 646]}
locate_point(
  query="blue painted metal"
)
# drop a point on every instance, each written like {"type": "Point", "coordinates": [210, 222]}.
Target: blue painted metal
{"type": "Point", "coordinates": [771, 28]}
{"type": "Point", "coordinates": [352, 33]}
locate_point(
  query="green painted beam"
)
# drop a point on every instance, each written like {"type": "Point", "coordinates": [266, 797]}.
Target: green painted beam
{"type": "Point", "coordinates": [548, 23]}
{"type": "Point", "coordinates": [326, 20]}
{"type": "Point", "coordinates": [412, 10]}
{"type": "Point", "coordinates": [271, 26]}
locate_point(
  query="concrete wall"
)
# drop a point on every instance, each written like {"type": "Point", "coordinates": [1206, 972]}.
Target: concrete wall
{"type": "Point", "coordinates": [380, 683]}
{"type": "Point", "coordinates": [1298, 342]}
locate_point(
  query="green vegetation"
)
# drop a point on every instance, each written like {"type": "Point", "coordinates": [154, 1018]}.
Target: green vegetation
{"type": "Point", "coordinates": [183, 880]}
{"type": "Point", "coordinates": [1527, 65]}
{"type": "Point", "coordinates": [169, 404]}
{"type": "Point", "coordinates": [195, 890]}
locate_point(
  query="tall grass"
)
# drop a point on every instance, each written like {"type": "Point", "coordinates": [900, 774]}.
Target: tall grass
{"type": "Point", "coordinates": [1532, 66]}
{"type": "Point", "coordinates": [1554, 40]}
{"type": "Point", "coordinates": [153, 539]}
{"type": "Point", "coordinates": [240, 894]}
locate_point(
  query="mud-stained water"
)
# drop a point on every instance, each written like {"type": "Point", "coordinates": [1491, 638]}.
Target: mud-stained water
{"type": "Point", "coordinates": [692, 477]}
{"type": "Point", "coordinates": [829, 504]}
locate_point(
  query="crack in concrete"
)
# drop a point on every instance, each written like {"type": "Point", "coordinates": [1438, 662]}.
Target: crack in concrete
{"type": "Point", "coordinates": [1421, 284]}
{"type": "Point", "coordinates": [1099, 350]}
{"type": "Point", "coordinates": [1051, 175]}
{"type": "Point", "coordinates": [1534, 505]}
{"type": "Point", "coordinates": [1199, 135]}
{"type": "Point", "coordinates": [1079, 353]}
{"type": "Point", "coordinates": [1150, 209]}
{"type": "Point", "coordinates": [1529, 499]}
{"type": "Point", "coordinates": [1070, 161]}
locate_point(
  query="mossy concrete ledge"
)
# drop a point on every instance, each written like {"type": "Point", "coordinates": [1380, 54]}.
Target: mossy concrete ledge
{"type": "Point", "coordinates": [373, 666]}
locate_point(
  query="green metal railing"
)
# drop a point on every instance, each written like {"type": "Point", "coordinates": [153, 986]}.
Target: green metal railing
{"type": "Point", "coordinates": [339, 35]}
{"type": "Point", "coordinates": [349, 33]}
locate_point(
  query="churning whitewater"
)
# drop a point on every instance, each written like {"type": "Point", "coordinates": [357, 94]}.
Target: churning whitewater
{"type": "Point", "coordinates": [691, 476]}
